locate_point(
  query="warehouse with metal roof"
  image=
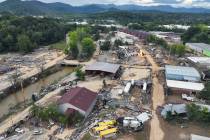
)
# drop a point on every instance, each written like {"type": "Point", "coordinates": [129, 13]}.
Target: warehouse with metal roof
{"type": "Point", "coordinates": [182, 73]}
{"type": "Point", "coordinates": [180, 85]}
{"type": "Point", "coordinates": [102, 67]}
{"type": "Point", "coordinates": [183, 79]}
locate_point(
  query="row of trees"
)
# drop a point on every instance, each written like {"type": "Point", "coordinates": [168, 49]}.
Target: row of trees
{"type": "Point", "coordinates": [178, 49]}
{"type": "Point", "coordinates": [80, 45]}
{"type": "Point", "coordinates": [197, 33]}
{"type": "Point", "coordinates": [26, 33]}
{"type": "Point", "coordinates": [152, 27]}
{"type": "Point", "coordinates": [161, 18]}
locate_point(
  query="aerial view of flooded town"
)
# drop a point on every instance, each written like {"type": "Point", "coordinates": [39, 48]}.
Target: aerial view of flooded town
{"type": "Point", "coordinates": [105, 70]}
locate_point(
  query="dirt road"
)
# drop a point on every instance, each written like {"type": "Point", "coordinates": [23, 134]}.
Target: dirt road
{"type": "Point", "coordinates": [156, 132]}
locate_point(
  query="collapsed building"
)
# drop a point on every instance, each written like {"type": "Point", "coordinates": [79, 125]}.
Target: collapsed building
{"type": "Point", "coordinates": [203, 64]}
{"type": "Point", "coordinates": [103, 68]}
{"type": "Point", "coordinates": [179, 109]}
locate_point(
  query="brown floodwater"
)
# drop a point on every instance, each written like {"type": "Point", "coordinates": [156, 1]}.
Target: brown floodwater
{"type": "Point", "coordinates": [20, 96]}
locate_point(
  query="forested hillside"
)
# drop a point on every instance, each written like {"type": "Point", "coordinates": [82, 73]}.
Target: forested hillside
{"type": "Point", "coordinates": [153, 17]}
{"type": "Point", "coordinates": [26, 33]}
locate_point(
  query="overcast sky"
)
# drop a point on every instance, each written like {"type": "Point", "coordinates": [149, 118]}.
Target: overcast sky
{"type": "Point", "coordinates": [183, 3]}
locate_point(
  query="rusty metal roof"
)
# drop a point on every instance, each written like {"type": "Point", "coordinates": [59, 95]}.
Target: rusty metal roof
{"type": "Point", "coordinates": [79, 97]}
{"type": "Point", "coordinates": [103, 67]}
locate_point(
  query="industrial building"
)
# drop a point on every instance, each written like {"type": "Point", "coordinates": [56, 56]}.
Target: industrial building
{"type": "Point", "coordinates": [200, 48]}
{"type": "Point", "coordinates": [183, 79]}
{"type": "Point", "coordinates": [182, 73]}
{"type": "Point", "coordinates": [77, 99]}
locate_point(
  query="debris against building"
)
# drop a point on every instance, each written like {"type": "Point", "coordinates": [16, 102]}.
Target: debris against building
{"type": "Point", "coordinates": [206, 75]}
{"type": "Point", "coordinates": [174, 109]}
{"type": "Point", "coordinates": [202, 63]}
{"type": "Point", "coordinates": [78, 99]}
{"type": "Point", "coordinates": [177, 109]}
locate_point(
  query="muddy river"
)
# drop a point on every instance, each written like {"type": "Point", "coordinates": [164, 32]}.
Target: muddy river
{"type": "Point", "coordinates": [19, 96]}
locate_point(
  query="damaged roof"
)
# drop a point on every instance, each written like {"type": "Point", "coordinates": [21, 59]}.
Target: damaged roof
{"type": "Point", "coordinates": [103, 67]}
{"type": "Point", "coordinates": [79, 97]}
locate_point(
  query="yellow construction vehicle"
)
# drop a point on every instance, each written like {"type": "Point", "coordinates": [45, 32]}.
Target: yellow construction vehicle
{"type": "Point", "coordinates": [97, 130]}
{"type": "Point", "coordinates": [108, 133]}
{"type": "Point", "coordinates": [105, 123]}
{"type": "Point", "coordinates": [141, 53]}
{"type": "Point", "coordinates": [102, 126]}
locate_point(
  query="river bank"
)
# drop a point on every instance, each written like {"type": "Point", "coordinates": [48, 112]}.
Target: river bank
{"type": "Point", "coordinates": [27, 69]}
{"type": "Point", "coordinates": [22, 98]}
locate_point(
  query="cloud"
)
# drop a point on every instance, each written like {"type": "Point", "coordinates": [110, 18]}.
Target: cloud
{"type": "Point", "coordinates": [187, 2]}
{"type": "Point", "coordinates": [176, 3]}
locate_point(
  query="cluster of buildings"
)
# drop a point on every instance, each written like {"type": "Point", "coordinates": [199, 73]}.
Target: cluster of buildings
{"type": "Point", "coordinates": [183, 79]}
{"type": "Point", "coordinates": [81, 99]}
{"type": "Point", "coordinates": [170, 37]}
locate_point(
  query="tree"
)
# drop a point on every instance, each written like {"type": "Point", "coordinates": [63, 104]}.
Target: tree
{"type": "Point", "coordinates": [88, 47]}
{"type": "Point", "coordinates": [24, 43]}
{"type": "Point", "coordinates": [80, 45]}
{"type": "Point", "coordinates": [72, 44]}
{"type": "Point", "coordinates": [197, 33]}
{"type": "Point", "coordinates": [80, 74]}
{"type": "Point", "coordinates": [118, 43]}
{"type": "Point", "coordinates": [193, 111]}
{"type": "Point", "coordinates": [105, 46]}
{"type": "Point", "coordinates": [205, 93]}
{"type": "Point", "coordinates": [178, 49]}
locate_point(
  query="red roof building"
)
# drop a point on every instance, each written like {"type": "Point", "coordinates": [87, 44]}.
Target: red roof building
{"type": "Point", "coordinates": [78, 99]}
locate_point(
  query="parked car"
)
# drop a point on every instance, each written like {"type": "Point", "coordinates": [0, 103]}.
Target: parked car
{"type": "Point", "coordinates": [38, 131]}
{"type": "Point", "coordinates": [188, 98]}
{"type": "Point", "coordinates": [19, 130]}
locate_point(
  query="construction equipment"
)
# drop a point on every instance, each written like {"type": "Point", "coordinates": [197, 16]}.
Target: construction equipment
{"type": "Point", "coordinates": [141, 53]}
{"type": "Point", "coordinates": [106, 123]}
{"type": "Point", "coordinates": [108, 133]}
{"type": "Point", "coordinates": [102, 126]}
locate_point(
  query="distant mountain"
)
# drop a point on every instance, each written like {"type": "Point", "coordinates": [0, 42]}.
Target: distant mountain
{"type": "Point", "coordinates": [34, 7]}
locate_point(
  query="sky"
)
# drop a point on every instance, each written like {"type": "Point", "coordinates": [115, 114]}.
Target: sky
{"type": "Point", "coordinates": [175, 3]}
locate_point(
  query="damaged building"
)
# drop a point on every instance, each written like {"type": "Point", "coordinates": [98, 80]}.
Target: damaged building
{"type": "Point", "coordinates": [103, 68]}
